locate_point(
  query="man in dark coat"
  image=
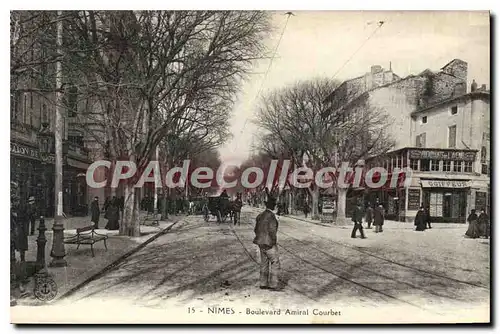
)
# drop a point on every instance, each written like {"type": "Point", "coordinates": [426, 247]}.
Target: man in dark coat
{"type": "Point", "coordinates": [31, 213]}
{"type": "Point", "coordinates": [357, 218]}
{"type": "Point", "coordinates": [421, 219]}
{"type": "Point", "coordinates": [238, 203]}
{"type": "Point", "coordinates": [95, 212]}
{"type": "Point", "coordinates": [484, 224]}
{"type": "Point", "coordinates": [369, 216]}
{"type": "Point", "coordinates": [428, 217]}
{"type": "Point", "coordinates": [378, 218]}
{"type": "Point", "coordinates": [266, 230]}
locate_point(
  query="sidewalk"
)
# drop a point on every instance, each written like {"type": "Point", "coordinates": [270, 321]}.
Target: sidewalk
{"type": "Point", "coordinates": [80, 263]}
{"type": "Point", "coordinates": [392, 224]}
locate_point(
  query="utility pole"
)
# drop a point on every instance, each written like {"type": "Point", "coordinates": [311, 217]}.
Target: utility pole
{"type": "Point", "coordinates": [58, 253]}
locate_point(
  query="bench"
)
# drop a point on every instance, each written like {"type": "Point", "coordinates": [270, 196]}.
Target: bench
{"type": "Point", "coordinates": [86, 236]}
{"type": "Point", "coordinates": [154, 218]}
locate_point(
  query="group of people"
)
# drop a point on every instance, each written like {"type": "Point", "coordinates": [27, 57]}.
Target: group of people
{"type": "Point", "coordinates": [373, 215]}
{"type": "Point", "coordinates": [479, 226]}
{"type": "Point", "coordinates": [112, 209]}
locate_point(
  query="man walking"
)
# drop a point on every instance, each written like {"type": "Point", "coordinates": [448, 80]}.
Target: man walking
{"type": "Point", "coordinates": [357, 218]}
{"type": "Point", "coordinates": [266, 231]}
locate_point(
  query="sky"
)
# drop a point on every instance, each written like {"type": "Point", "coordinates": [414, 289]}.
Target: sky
{"type": "Point", "coordinates": [319, 43]}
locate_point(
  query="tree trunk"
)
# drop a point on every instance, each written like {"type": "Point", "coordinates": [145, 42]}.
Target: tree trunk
{"type": "Point", "coordinates": [341, 206]}
{"type": "Point", "coordinates": [130, 225]}
{"type": "Point", "coordinates": [315, 201]}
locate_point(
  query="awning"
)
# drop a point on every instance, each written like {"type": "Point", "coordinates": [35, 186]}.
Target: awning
{"type": "Point", "coordinates": [445, 184]}
{"type": "Point", "coordinates": [77, 164]}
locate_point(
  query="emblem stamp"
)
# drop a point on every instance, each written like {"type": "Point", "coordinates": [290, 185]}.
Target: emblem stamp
{"type": "Point", "coordinates": [45, 289]}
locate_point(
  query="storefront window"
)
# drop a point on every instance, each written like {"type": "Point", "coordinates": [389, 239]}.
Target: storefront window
{"type": "Point", "coordinates": [468, 166]}
{"type": "Point", "coordinates": [435, 165]}
{"type": "Point", "coordinates": [436, 205]}
{"type": "Point", "coordinates": [457, 166]}
{"type": "Point", "coordinates": [414, 164]}
{"type": "Point", "coordinates": [425, 165]}
{"type": "Point", "coordinates": [446, 166]}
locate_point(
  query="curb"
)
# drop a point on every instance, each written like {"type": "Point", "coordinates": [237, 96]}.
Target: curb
{"type": "Point", "coordinates": [115, 263]}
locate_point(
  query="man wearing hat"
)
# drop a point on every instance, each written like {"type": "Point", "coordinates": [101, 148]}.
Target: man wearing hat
{"type": "Point", "coordinates": [31, 213]}
{"type": "Point", "coordinates": [266, 230]}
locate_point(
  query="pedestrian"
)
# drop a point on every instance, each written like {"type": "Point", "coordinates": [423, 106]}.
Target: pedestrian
{"type": "Point", "coordinates": [421, 219]}
{"type": "Point", "coordinates": [378, 218]}
{"type": "Point", "coordinates": [266, 230]}
{"type": "Point", "coordinates": [428, 217]}
{"type": "Point", "coordinates": [113, 215]}
{"type": "Point", "coordinates": [31, 214]}
{"type": "Point", "coordinates": [484, 224]}
{"type": "Point", "coordinates": [107, 202]}
{"type": "Point", "coordinates": [474, 231]}
{"type": "Point", "coordinates": [19, 216]}
{"type": "Point", "coordinates": [369, 216]}
{"type": "Point", "coordinates": [306, 209]}
{"type": "Point", "coordinates": [95, 212]}
{"type": "Point", "coordinates": [357, 219]}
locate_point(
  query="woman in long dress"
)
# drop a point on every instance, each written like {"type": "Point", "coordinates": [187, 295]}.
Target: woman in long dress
{"type": "Point", "coordinates": [113, 216]}
{"type": "Point", "coordinates": [474, 230]}
{"type": "Point", "coordinates": [421, 220]}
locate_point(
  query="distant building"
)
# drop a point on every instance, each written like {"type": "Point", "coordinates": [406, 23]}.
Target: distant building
{"type": "Point", "coordinates": [442, 132]}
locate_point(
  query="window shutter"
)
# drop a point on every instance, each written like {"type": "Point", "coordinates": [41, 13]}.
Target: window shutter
{"type": "Point", "coordinates": [422, 140]}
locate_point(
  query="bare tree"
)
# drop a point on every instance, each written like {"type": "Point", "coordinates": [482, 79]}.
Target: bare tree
{"type": "Point", "coordinates": [160, 74]}
{"type": "Point", "coordinates": [317, 135]}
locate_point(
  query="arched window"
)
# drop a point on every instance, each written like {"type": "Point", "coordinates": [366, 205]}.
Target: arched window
{"type": "Point", "coordinates": [483, 154]}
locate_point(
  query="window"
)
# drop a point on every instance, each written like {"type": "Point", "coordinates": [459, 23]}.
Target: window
{"type": "Point", "coordinates": [72, 101]}
{"type": "Point", "coordinates": [45, 115]}
{"type": "Point", "coordinates": [435, 165]}
{"type": "Point", "coordinates": [452, 136]}
{"type": "Point", "coordinates": [468, 166]}
{"type": "Point", "coordinates": [421, 140]}
{"type": "Point", "coordinates": [457, 166]}
{"type": "Point", "coordinates": [14, 105]}
{"type": "Point", "coordinates": [425, 165]}
{"type": "Point", "coordinates": [25, 109]}
{"type": "Point", "coordinates": [414, 164]}
{"type": "Point", "coordinates": [446, 166]}
{"type": "Point", "coordinates": [484, 169]}
{"type": "Point", "coordinates": [454, 110]}
{"type": "Point", "coordinates": [483, 154]}
{"type": "Point", "coordinates": [424, 119]}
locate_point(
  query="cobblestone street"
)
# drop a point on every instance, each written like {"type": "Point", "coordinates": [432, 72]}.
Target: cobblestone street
{"type": "Point", "coordinates": [435, 276]}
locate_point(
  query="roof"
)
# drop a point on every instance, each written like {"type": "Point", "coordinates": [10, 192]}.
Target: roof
{"type": "Point", "coordinates": [452, 61]}
{"type": "Point", "coordinates": [478, 93]}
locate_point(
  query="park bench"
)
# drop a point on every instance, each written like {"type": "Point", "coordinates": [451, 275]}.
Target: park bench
{"type": "Point", "coordinates": [86, 236]}
{"type": "Point", "coordinates": [154, 218]}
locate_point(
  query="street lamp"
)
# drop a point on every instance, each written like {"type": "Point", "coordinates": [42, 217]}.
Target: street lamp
{"type": "Point", "coordinates": [46, 140]}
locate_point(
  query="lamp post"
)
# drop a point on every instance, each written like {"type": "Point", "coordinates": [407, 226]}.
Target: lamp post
{"type": "Point", "coordinates": [45, 145]}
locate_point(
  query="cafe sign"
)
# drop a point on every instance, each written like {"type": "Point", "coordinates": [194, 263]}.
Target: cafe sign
{"type": "Point", "coordinates": [443, 155]}
{"type": "Point", "coordinates": [445, 184]}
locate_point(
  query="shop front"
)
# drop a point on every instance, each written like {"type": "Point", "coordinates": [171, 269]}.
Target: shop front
{"type": "Point", "coordinates": [34, 172]}
{"type": "Point", "coordinates": [446, 199]}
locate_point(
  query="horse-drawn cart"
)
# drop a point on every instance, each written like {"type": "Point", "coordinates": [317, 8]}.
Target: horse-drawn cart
{"type": "Point", "coordinates": [218, 207]}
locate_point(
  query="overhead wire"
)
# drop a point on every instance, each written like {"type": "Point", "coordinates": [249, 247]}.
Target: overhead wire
{"type": "Point", "coordinates": [266, 74]}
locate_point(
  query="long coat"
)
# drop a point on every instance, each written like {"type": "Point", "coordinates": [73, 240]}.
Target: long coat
{"type": "Point", "coordinates": [266, 229]}
{"type": "Point", "coordinates": [95, 212]}
{"type": "Point", "coordinates": [369, 215]}
{"type": "Point", "coordinates": [484, 224]}
{"type": "Point", "coordinates": [357, 215]}
{"type": "Point", "coordinates": [421, 220]}
{"type": "Point", "coordinates": [378, 216]}
{"type": "Point", "coordinates": [474, 231]}
{"type": "Point", "coordinates": [20, 223]}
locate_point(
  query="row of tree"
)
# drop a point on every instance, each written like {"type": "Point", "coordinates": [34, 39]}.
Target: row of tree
{"type": "Point", "coordinates": [147, 79]}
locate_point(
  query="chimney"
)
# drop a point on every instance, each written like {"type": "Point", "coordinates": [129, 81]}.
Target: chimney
{"type": "Point", "coordinates": [473, 86]}
{"type": "Point", "coordinates": [376, 69]}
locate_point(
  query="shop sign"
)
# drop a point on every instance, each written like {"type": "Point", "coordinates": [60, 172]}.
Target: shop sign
{"type": "Point", "coordinates": [24, 151]}
{"type": "Point", "coordinates": [443, 155]}
{"type": "Point", "coordinates": [445, 184]}
{"type": "Point", "coordinates": [413, 199]}
{"type": "Point", "coordinates": [32, 153]}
